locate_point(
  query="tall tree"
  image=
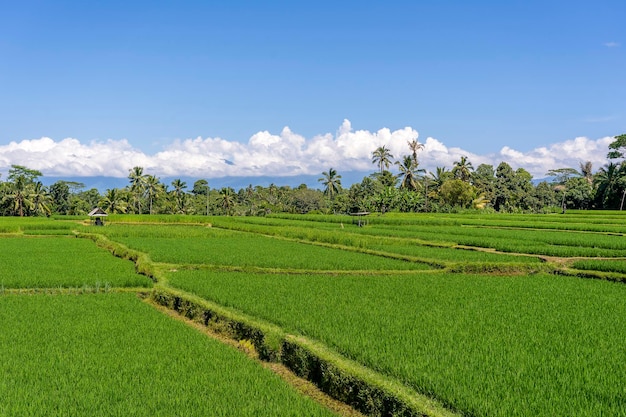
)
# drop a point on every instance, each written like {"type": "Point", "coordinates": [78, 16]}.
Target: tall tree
{"type": "Point", "coordinates": [60, 194]}
{"type": "Point", "coordinates": [137, 185]}
{"type": "Point", "coordinates": [19, 195]}
{"type": "Point", "coordinates": [179, 194]}
{"type": "Point", "coordinates": [609, 185]}
{"type": "Point", "coordinates": [415, 146]}
{"type": "Point", "coordinates": [201, 188]}
{"type": "Point", "coordinates": [561, 175]}
{"type": "Point", "coordinates": [440, 176]}
{"type": "Point", "coordinates": [408, 173]}
{"type": "Point", "coordinates": [19, 172]}
{"type": "Point", "coordinates": [41, 200]}
{"type": "Point", "coordinates": [484, 179]}
{"type": "Point", "coordinates": [21, 184]}
{"type": "Point", "coordinates": [332, 183]}
{"type": "Point", "coordinates": [586, 171]}
{"type": "Point", "coordinates": [617, 147]}
{"type": "Point", "coordinates": [227, 197]}
{"type": "Point", "coordinates": [382, 158]}
{"type": "Point", "coordinates": [463, 169]}
{"type": "Point", "coordinates": [113, 201]}
{"type": "Point", "coordinates": [153, 188]}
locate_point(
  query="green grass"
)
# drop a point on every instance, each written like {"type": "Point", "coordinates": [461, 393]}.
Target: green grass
{"type": "Point", "coordinates": [365, 238]}
{"type": "Point", "coordinates": [50, 262]}
{"type": "Point", "coordinates": [202, 245]}
{"type": "Point", "coordinates": [113, 355]}
{"type": "Point", "coordinates": [538, 345]}
{"type": "Point", "coordinates": [605, 265]}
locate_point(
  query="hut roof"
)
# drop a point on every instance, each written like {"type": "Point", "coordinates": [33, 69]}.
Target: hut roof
{"type": "Point", "coordinates": [97, 212]}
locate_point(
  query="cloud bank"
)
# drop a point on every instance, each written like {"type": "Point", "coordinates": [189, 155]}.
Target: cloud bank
{"type": "Point", "coordinates": [279, 155]}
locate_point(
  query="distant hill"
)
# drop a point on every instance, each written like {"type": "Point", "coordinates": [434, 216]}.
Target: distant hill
{"type": "Point", "coordinates": [103, 183]}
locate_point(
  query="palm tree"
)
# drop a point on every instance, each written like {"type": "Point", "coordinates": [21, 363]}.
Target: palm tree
{"type": "Point", "coordinates": [228, 199]}
{"type": "Point", "coordinates": [608, 180]}
{"type": "Point", "coordinates": [332, 182]}
{"type": "Point", "coordinates": [113, 201]}
{"type": "Point", "coordinates": [440, 176]}
{"type": "Point", "coordinates": [480, 202]}
{"type": "Point", "coordinates": [19, 194]}
{"type": "Point", "coordinates": [137, 184]}
{"type": "Point", "coordinates": [415, 146]}
{"type": "Point", "coordinates": [153, 189]}
{"type": "Point", "coordinates": [408, 173]}
{"type": "Point", "coordinates": [586, 171]}
{"type": "Point", "coordinates": [382, 157]}
{"type": "Point", "coordinates": [463, 169]}
{"type": "Point", "coordinates": [41, 200]}
{"type": "Point", "coordinates": [179, 194]}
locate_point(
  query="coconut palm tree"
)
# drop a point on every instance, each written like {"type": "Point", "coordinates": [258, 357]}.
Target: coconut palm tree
{"type": "Point", "coordinates": [154, 188]}
{"type": "Point", "coordinates": [41, 200]}
{"type": "Point", "coordinates": [415, 146]}
{"type": "Point", "coordinates": [137, 185]}
{"type": "Point", "coordinates": [19, 194]}
{"type": "Point", "coordinates": [332, 181]}
{"type": "Point", "coordinates": [227, 195]}
{"type": "Point", "coordinates": [609, 181]}
{"type": "Point", "coordinates": [586, 171]}
{"type": "Point", "coordinates": [179, 194]}
{"type": "Point", "coordinates": [408, 173]}
{"type": "Point", "coordinates": [463, 169]}
{"type": "Point", "coordinates": [113, 201]}
{"type": "Point", "coordinates": [382, 157]}
{"type": "Point", "coordinates": [440, 176]}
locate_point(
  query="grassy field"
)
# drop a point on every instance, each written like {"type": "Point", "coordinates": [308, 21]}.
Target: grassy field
{"type": "Point", "coordinates": [523, 334]}
{"type": "Point", "coordinates": [52, 262]}
{"type": "Point", "coordinates": [202, 245]}
{"type": "Point", "coordinates": [481, 344]}
{"type": "Point", "coordinates": [113, 355]}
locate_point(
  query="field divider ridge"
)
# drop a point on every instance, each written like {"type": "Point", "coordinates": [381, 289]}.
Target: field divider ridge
{"type": "Point", "coordinates": [406, 258]}
{"type": "Point", "coordinates": [143, 264]}
{"type": "Point", "coordinates": [365, 390]}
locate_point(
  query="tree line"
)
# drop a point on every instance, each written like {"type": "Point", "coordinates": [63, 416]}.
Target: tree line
{"type": "Point", "coordinates": [411, 189]}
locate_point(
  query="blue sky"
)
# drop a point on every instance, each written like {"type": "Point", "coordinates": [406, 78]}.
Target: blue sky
{"type": "Point", "coordinates": [537, 83]}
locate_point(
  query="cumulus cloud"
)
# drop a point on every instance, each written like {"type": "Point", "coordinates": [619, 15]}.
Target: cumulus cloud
{"type": "Point", "coordinates": [283, 154]}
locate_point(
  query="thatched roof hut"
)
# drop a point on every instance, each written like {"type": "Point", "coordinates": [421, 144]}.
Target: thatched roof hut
{"type": "Point", "coordinates": [98, 216]}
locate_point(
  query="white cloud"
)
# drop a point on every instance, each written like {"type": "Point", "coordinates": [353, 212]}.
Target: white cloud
{"type": "Point", "coordinates": [283, 154]}
{"type": "Point", "coordinates": [612, 44]}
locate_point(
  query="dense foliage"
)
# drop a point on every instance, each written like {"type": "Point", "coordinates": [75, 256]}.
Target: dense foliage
{"type": "Point", "coordinates": [411, 189]}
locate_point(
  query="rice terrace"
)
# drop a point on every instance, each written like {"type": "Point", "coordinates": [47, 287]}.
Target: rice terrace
{"type": "Point", "coordinates": [409, 315]}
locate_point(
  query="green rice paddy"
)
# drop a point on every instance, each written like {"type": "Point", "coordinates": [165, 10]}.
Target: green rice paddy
{"type": "Point", "coordinates": [523, 335]}
{"type": "Point", "coordinates": [113, 355]}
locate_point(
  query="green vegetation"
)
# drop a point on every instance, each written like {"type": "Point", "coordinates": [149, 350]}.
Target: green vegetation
{"type": "Point", "coordinates": [52, 262]}
{"type": "Point", "coordinates": [111, 354]}
{"type": "Point", "coordinates": [410, 189]}
{"type": "Point", "coordinates": [481, 344]}
{"type": "Point", "coordinates": [430, 314]}
{"type": "Point", "coordinates": [202, 245]}
{"type": "Point", "coordinates": [605, 265]}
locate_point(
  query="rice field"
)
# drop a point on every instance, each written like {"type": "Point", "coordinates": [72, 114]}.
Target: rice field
{"type": "Point", "coordinates": [521, 335]}
{"type": "Point", "coordinates": [212, 246]}
{"type": "Point", "coordinates": [481, 344]}
{"type": "Point", "coordinates": [114, 355]}
{"type": "Point", "coordinates": [53, 262]}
